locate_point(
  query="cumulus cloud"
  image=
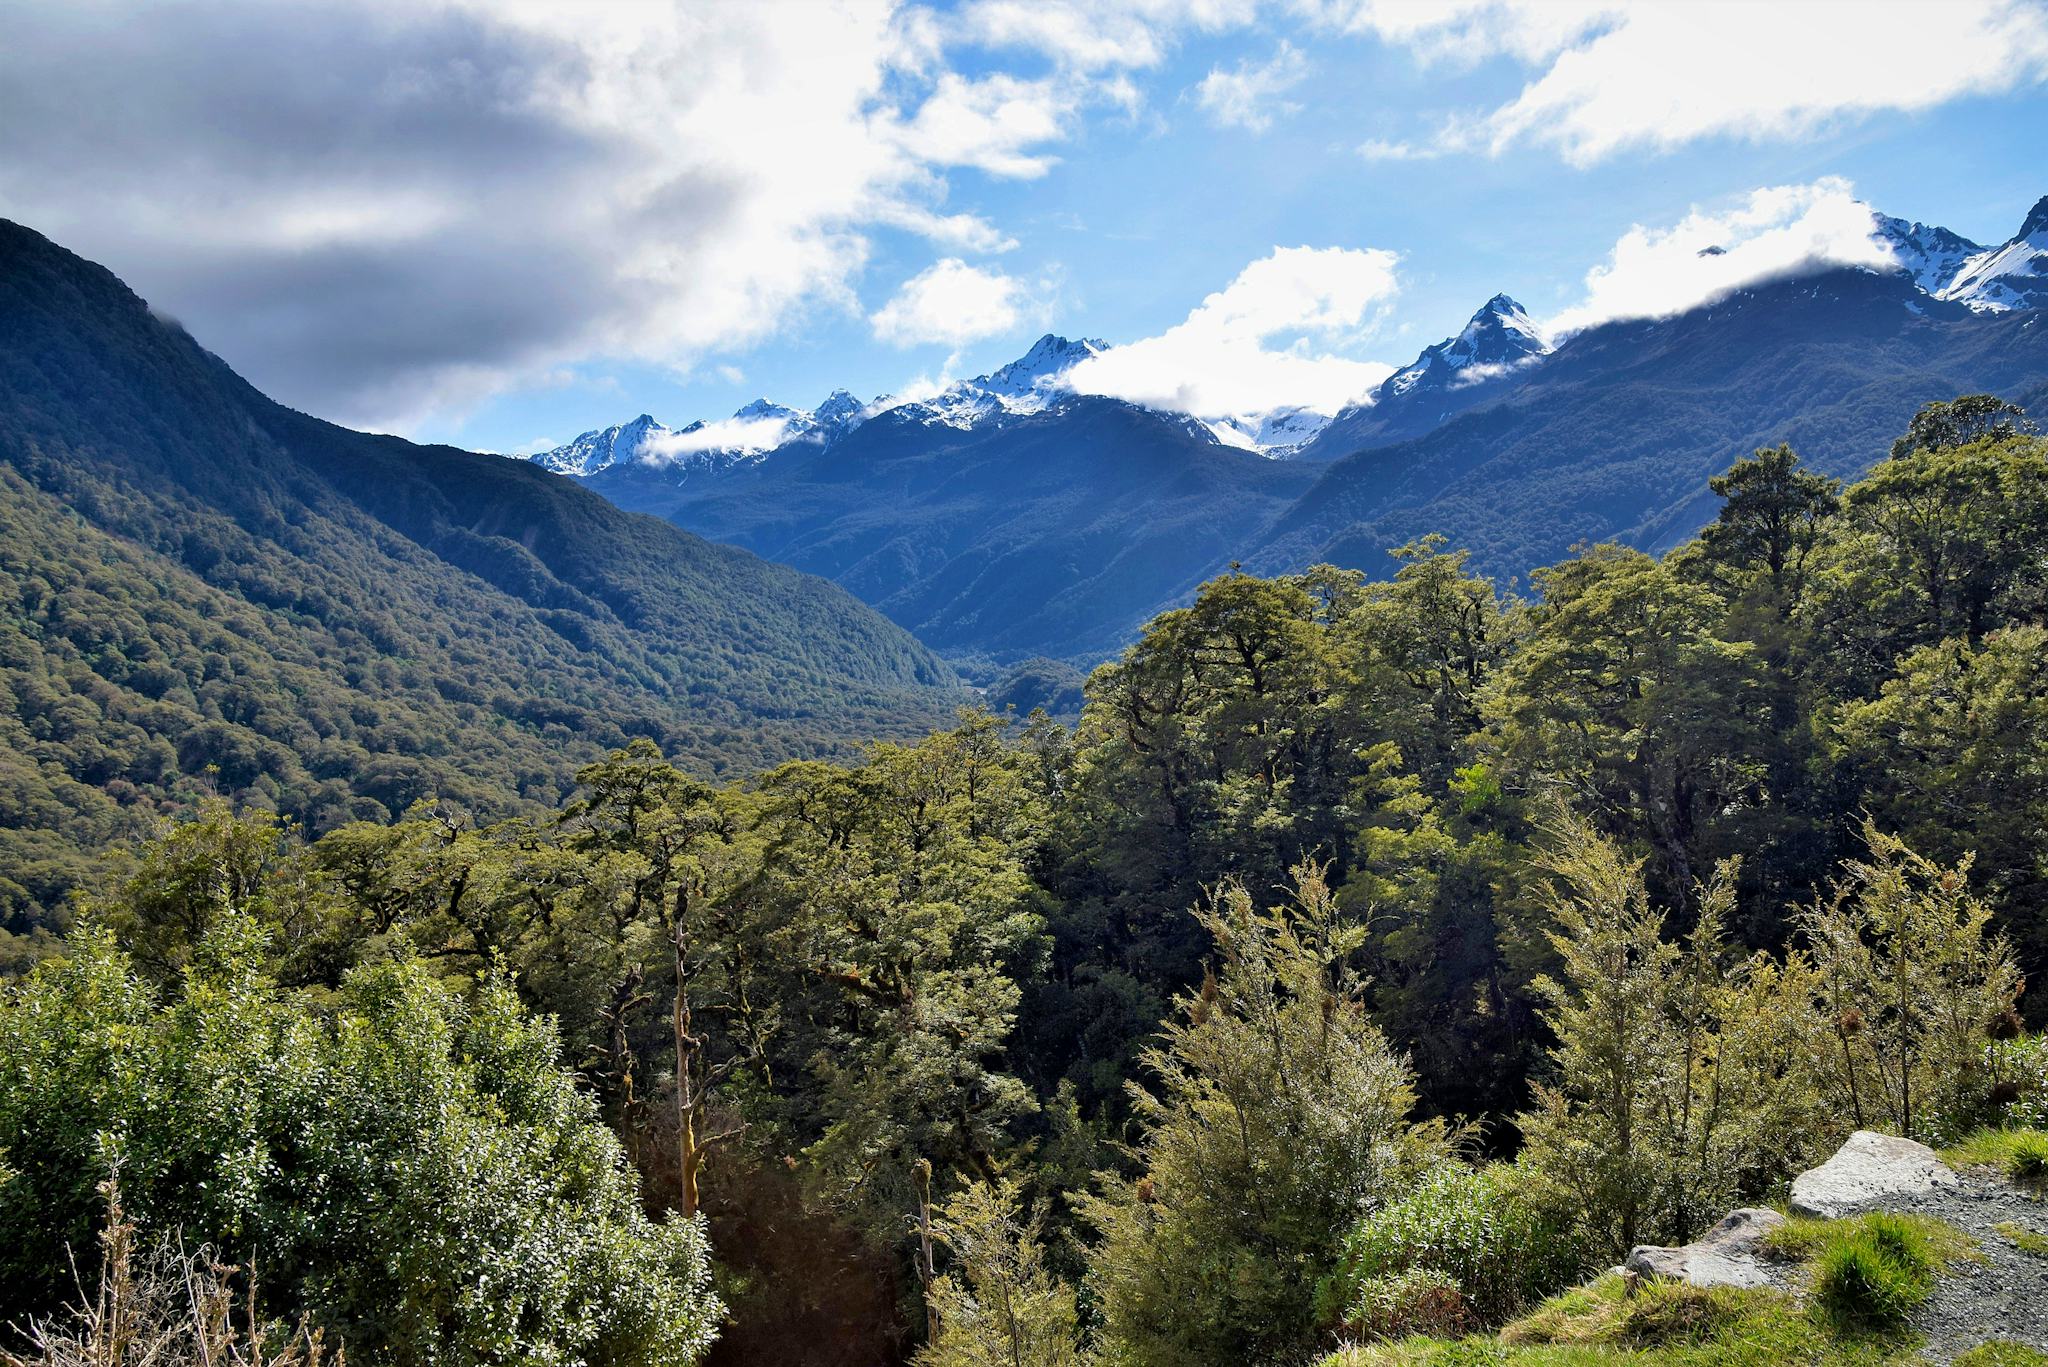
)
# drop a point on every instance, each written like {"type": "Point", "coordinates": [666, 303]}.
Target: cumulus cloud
{"type": "Point", "coordinates": [950, 302]}
{"type": "Point", "coordinates": [1249, 94]}
{"type": "Point", "coordinates": [1771, 234]}
{"type": "Point", "coordinates": [444, 199]}
{"type": "Point", "coordinates": [1657, 75]}
{"type": "Point", "coordinates": [1275, 337]}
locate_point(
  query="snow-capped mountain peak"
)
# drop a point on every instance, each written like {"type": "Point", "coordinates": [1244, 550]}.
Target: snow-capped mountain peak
{"type": "Point", "coordinates": [1931, 255]}
{"type": "Point", "coordinates": [1500, 336]}
{"type": "Point", "coordinates": [2012, 276]}
{"type": "Point", "coordinates": [1029, 384]}
{"type": "Point", "coordinates": [601, 449]}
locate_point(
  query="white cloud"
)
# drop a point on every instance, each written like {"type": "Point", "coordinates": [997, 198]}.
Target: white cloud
{"type": "Point", "coordinates": [1386, 149]}
{"type": "Point", "coordinates": [1273, 338]}
{"type": "Point", "coordinates": [993, 123]}
{"type": "Point", "coordinates": [727, 434]}
{"type": "Point", "coordinates": [950, 302]}
{"type": "Point", "coordinates": [1097, 35]}
{"type": "Point", "coordinates": [1248, 96]}
{"type": "Point", "coordinates": [1772, 233]}
{"type": "Point", "coordinates": [446, 199]}
{"type": "Point", "coordinates": [1657, 75]}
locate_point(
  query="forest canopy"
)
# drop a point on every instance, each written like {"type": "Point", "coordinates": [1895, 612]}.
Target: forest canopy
{"type": "Point", "coordinates": [1285, 984]}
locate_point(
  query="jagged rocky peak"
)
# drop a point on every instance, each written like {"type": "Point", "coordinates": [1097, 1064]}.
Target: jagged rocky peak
{"type": "Point", "coordinates": [1927, 252]}
{"type": "Point", "coordinates": [2011, 276]}
{"type": "Point", "coordinates": [1049, 357]}
{"type": "Point", "coordinates": [2036, 224]}
{"type": "Point", "coordinates": [1500, 336]}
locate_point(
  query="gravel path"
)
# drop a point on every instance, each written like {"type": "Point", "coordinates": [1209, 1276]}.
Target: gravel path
{"type": "Point", "coordinates": [2003, 1297]}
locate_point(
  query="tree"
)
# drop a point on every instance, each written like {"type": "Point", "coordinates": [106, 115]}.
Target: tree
{"type": "Point", "coordinates": [1770, 520]}
{"type": "Point", "coordinates": [1675, 1086]}
{"type": "Point", "coordinates": [1962, 422]}
{"type": "Point", "coordinates": [682, 863]}
{"type": "Point", "coordinates": [997, 1305]}
{"type": "Point", "coordinates": [1910, 982]}
{"type": "Point", "coordinates": [1278, 1115]}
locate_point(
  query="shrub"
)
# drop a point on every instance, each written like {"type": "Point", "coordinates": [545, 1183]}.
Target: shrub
{"type": "Point", "coordinates": [411, 1168]}
{"type": "Point", "coordinates": [1473, 1229]}
{"type": "Point", "coordinates": [1416, 1301]}
{"type": "Point", "coordinates": [1874, 1274]}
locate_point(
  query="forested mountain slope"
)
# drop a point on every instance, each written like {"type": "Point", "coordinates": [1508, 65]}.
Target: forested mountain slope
{"type": "Point", "coordinates": [1615, 435]}
{"type": "Point", "coordinates": [1056, 533]}
{"type": "Point", "coordinates": [204, 590]}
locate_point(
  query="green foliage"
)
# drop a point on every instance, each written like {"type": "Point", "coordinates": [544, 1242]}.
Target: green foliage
{"type": "Point", "coordinates": [1470, 1230]}
{"type": "Point", "coordinates": [1660, 1325]}
{"type": "Point", "coordinates": [203, 593]}
{"type": "Point", "coordinates": [1682, 1073]}
{"type": "Point", "coordinates": [1278, 1115]}
{"type": "Point", "coordinates": [2002, 1353]}
{"type": "Point", "coordinates": [997, 1306]}
{"type": "Point", "coordinates": [412, 1170]}
{"type": "Point", "coordinates": [1910, 983]}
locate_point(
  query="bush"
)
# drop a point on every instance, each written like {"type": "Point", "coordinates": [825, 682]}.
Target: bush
{"type": "Point", "coordinates": [1471, 1229]}
{"type": "Point", "coordinates": [411, 1168]}
{"type": "Point", "coordinates": [1874, 1275]}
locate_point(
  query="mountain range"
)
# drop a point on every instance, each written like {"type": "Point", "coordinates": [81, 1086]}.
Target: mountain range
{"type": "Point", "coordinates": [1008, 517]}
{"type": "Point", "coordinates": [202, 591]}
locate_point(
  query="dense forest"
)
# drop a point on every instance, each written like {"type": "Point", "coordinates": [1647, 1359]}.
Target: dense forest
{"type": "Point", "coordinates": [203, 592]}
{"type": "Point", "coordinates": [1374, 955]}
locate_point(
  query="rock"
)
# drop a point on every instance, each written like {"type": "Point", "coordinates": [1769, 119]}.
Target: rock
{"type": "Point", "coordinates": [1869, 1168]}
{"type": "Point", "coordinates": [1725, 1255]}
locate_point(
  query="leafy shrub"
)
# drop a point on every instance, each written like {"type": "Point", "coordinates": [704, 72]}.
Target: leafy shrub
{"type": "Point", "coordinates": [2019, 1068]}
{"type": "Point", "coordinates": [1875, 1274]}
{"type": "Point", "coordinates": [410, 1168]}
{"type": "Point", "coordinates": [1471, 1228]}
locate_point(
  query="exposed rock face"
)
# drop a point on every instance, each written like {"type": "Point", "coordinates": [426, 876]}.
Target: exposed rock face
{"type": "Point", "coordinates": [1869, 1170]}
{"type": "Point", "coordinates": [1726, 1255]}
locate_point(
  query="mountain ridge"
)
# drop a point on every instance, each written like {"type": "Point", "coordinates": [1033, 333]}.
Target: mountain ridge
{"type": "Point", "coordinates": [333, 625]}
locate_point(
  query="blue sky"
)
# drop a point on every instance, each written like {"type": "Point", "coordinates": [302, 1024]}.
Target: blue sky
{"type": "Point", "coordinates": [500, 225]}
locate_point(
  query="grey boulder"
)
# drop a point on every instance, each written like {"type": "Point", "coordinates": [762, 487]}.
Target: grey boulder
{"type": "Point", "coordinates": [1726, 1255]}
{"type": "Point", "coordinates": [1867, 1169]}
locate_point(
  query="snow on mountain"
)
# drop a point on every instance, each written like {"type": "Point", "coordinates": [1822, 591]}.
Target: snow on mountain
{"type": "Point", "coordinates": [1029, 384]}
{"type": "Point", "coordinates": [1500, 337]}
{"type": "Point", "coordinates": [745, 437]}
{"type": "Point", "coordinates": [2012, 276]}
{"type": "Point", "coordinates": [602, 449]}
{"type": "Point", "coordinates": [1278, 433]}
{"type": "Point", "coordinates": [1931, 255]}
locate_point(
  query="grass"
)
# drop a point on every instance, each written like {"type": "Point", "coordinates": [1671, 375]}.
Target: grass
{"type": "Point", "coordinates": [2002, 1353]}
{"type": "Point", "coordinates": [2022, 1155]}
{"type": "Point", "coordinates": [2026, 1240]}
{"type": "Point", "coordinates": [1868, 1274]}
{"type": "Point", "coordinates": [1666, 1323]}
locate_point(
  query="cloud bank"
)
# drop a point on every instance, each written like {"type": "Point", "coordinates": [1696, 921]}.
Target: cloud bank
{"type": "Point", "coordinates": [1274, 337]}
{"type": "Point", "coordinates": [1771, 234]}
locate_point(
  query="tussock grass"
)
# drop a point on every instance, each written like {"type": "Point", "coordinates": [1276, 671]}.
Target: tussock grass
{"type": "Point", "coordinates": [2003, 1353]}
{"type": "Point", "coordinates": [2021, 1155]}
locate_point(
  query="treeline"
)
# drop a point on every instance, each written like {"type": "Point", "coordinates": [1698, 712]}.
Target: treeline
{"type": "Point", "coordinates": [1372, 956]}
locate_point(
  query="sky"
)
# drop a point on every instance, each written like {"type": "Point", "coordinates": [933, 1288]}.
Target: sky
{"type": "Point", "coordinates": [499, 223]}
